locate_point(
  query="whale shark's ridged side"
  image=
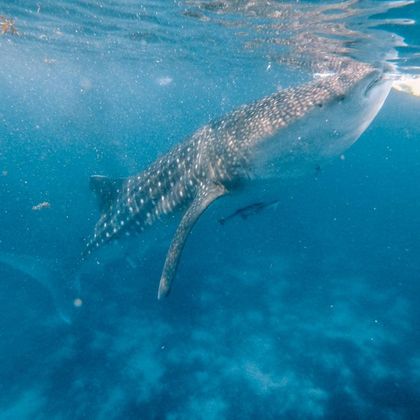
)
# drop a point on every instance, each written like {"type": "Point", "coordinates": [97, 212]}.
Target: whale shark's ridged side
{"type": "Point", "coordinates": [213, 161]}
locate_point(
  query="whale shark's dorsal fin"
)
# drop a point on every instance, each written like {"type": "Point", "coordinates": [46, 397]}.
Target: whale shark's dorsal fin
{"type": "Point", "coordinates": [106, 190]}
{"type": "Point", "coordinates": [203, 199]}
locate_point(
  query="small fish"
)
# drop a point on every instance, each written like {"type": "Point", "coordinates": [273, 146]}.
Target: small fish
{"type": "Point", "coordinates": [41, 206]}
{"type": "Point", "coordinates": [250, 210]}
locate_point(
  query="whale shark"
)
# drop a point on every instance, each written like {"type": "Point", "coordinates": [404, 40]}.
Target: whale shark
{"type": "Point", "coordinates": [279, 136]}
{"type": "Point", "coordinates": [283, 136]}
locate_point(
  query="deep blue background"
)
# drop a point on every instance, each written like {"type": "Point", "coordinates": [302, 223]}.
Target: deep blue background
{"type": "Point", "coordinates": [307, 310]}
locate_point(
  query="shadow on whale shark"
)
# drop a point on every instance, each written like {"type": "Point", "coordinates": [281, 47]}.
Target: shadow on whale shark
{"type": "Point", "coordinates": [281, 136]}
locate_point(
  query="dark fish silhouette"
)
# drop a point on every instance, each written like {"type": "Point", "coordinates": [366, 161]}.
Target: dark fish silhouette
{"type": "Point", "coordinates": [251, 210]}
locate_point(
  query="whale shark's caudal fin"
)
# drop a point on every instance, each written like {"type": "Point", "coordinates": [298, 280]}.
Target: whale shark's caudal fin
{"type": "Point", "coordinates": [63, 286]}
{"type": "Point", "coordinates": [203, 199]}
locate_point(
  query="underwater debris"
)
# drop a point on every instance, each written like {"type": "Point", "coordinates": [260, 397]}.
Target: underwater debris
{"type": "Point", "coordinates": [164, 81]}
{"type": "Point", "coordinates": [50, 61]}
{"type": "Point", "coordinates": [7, 26]}
{"type": "Point", "coordinates": [77, 302]}
{"type": "Point", "coordinates": [41, 206]}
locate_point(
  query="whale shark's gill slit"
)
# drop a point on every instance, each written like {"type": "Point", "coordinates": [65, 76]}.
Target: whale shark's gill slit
{"type": "Point", "coordinates": [196, 209]}
{"type": "Point", "coordinates": [106, 190]}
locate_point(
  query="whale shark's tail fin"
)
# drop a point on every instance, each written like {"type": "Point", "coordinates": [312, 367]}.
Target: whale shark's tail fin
{"type": "Point", "coordinates": [61, 284]}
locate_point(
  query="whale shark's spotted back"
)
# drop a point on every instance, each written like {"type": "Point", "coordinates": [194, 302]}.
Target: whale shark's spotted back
{"type": "Point", "coordinates": [216, 159]}
{"type": "Point", "coordinates": [130, 205]}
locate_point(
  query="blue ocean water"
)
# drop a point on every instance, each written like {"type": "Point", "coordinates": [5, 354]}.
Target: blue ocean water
{"type": "Point", "coordinates": [308, 309]}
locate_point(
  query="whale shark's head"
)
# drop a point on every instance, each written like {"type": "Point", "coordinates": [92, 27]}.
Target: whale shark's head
{"type": "Point", "coordinates": [349, 117]}
{"type": "Point", "coordinates": [373, 91]}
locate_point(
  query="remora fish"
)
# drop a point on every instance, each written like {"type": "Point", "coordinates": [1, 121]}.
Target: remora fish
{"type": "Point", "coordinates": [278, 136]}
{"type": "Point", "coordinates": [249, 210]}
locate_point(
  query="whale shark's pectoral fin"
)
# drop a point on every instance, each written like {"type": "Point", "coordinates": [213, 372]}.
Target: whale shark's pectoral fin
{"type": "Point", "coordinates": [198, 206]}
